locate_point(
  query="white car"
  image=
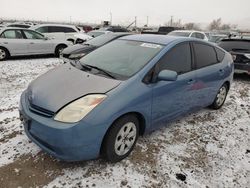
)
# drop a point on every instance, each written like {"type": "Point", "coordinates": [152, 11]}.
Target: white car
{"type": "Point", "coordinates": [62, 32]}
{"type": "Point", "coordinates": [189, 33]}
{"type": "Point", "coordinates": [20, 41]}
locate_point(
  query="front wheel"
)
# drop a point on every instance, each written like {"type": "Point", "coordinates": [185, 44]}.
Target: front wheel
{"type": "Point", "coordinates": [59, 50]}
{"type": "Point", "coordinates": [121, 138]}
{"type": "Point", "coordinates": [220, 97]}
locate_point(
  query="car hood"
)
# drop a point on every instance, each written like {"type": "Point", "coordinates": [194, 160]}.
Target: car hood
{"type": "Point", "coordinates": [78, 48]}
{"type": "Point", "coordinates": [64, 84]}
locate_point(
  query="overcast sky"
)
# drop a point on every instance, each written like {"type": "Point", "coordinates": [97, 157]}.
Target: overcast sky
{"type": "Point", "coordinates": [124, 11]}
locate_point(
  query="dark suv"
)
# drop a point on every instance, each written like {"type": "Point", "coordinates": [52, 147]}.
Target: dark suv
{"type": "Point", "coordinates": [240, 50]}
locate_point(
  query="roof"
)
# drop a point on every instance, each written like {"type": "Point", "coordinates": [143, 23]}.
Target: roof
{"type": "Point", "coordinates": [157, 39]}
{"type": "Point", "coordinates": [60, 25]}
{"type": "Point", "coordinates": [237, 39]}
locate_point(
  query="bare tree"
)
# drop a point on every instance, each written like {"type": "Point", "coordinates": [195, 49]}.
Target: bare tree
{"type": "Point", "coordinates": [218, 25]}
{"type": "Point", "coordinates": [192, 26]}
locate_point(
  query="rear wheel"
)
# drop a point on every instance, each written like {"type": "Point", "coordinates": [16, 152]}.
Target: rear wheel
{"type": "Point", "coordinates": [4, 54]}
{"type": "Point", "coordinates": [220, 97]}
{"type": "Point", "coordinates": [59, 49]}
{"type": "Point", "coordinates": [121, 138]}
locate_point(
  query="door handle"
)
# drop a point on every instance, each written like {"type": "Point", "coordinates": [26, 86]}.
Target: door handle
{"type": "Point", "coordinates": [6, 43]}
{"type": "Point", "coordinates": [32, 43]}
{"type": "Point", "coordinates": [221, 71]}
{"type": "Point", "coordinates": [191, 81]}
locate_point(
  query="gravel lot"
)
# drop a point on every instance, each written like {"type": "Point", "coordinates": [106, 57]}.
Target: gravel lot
{"type": "Point", "coordinates": [205, 149]}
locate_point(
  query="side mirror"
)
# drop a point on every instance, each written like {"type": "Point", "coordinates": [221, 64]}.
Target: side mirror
{"type": "Point", "coordinates": [46, 38]}
{"type": "Point", "coordinates": [167, 75]}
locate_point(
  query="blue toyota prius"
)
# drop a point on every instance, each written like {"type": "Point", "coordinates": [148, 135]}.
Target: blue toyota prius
{"type": "Point", "coordinates": [98, 106]}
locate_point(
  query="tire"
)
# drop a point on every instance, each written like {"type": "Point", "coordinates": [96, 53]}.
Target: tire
{"type": "Point", "coordinates": [59, 49]}
{"type": "Point", "coordinates": [4, 54]}
{"type": "Point", "coordinates": [117, 145]}
{"type": "Point", "coordinates": [220, 97]}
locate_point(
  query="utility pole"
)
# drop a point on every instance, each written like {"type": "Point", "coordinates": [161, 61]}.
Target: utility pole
{"type": "Point", "coordinates": [147, 21]}
{"type": "Point", "coordinates": [111, 17]}
{"type": "Point", "coordinates": [171, 21]}
{"type": "Point", "coordinates": [70, 19]}
{"type": "Point", "coordinates": [135, 21]}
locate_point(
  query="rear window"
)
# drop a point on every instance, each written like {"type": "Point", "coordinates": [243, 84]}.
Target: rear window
{"type": "Point", "coordinates": [235, 45]}
{"type": "Point", "coordinates": [205, 55]}
{"type": "Point", "coordinates": [220, 54]}
{"type": "Point", "coordinates": [59, 29]}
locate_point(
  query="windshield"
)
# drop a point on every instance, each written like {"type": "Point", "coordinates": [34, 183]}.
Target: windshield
{"type": "Point", "coordinates": [180, 34]}
{"type": "Point", "coordinates": [122, 58]}
{"type": "Point", "coordinates": [101, 40]}
{"type": "Point", "coordinates": [216, 38]}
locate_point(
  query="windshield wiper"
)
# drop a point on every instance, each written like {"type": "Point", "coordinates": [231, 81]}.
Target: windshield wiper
{"type": "Point", "coordinates": [99, 69]}
{"type": "Point", "coordinates": [83, 66]}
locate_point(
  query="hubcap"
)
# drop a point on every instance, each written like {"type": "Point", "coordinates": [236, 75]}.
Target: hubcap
{"type": "Point", "coordinates": [2, 54]}
{"type": "Point", "coordinates": [125, 139]}
{"type": "Point", "coordinates": [221, 96]}
{"type": "Point", "coordinates": [60, 50]}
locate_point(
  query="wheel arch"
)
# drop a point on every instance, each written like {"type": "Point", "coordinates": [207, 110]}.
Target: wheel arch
{"type": "Point", "coordinates": [142, 125]}
{"type": "Point", "coordinates": [228, 84]}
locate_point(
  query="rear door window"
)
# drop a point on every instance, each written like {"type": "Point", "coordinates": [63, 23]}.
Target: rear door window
{"type": "Point", "coordinates": [177, 59]}
{"type": "Point", "coordinates": [205, 55]}
{"type": "Point", "coordinates": [12, 34]}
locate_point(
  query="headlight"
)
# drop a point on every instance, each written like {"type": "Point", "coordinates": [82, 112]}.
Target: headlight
{"type": "Point", "coordinates": [76, 56]}
{"type": "Point", "coordinates": [247, 55]}
{"type": "Point", "coordinates": [78, 109]}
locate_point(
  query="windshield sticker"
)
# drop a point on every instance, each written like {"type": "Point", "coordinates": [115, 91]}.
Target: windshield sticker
{"type": "Point", "coordinates": [149, 45]}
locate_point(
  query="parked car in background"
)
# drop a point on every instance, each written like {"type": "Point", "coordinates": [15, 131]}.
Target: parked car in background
{"type": "Point", "coordinates": [216, 38]}
{"type": "Point", "coordinates": [114, 29]}
{"type": "Point", "coordinates": [96, 33]}
{"type": "Point", "coordinates": [19, 42]}
{"type": "Point", "coordinates": [188, 33]}
{"type": "Point", "coordinates": [59, 31]}
{"type": "Point", "coordinates": [77, 51]}
{"type": "Point", "coordinates": [98, 106]}
{"type": "Point", "coordinates": [19, 25]}
{"type": "Point", "coordinates": [240, 50]}
{"type": "Point", "coordinates": [87, 28]}
{"type": "Point", "coordinates": [161, 31]}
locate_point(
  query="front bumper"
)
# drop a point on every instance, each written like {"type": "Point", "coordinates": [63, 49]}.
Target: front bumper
{"type": "Point", "coordinates": [68, 142]}
{"type": "Point", "coordinates": [242, 68]}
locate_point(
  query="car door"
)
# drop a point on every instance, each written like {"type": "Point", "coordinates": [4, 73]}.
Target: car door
{"type": "Point", "coordinates": [37, 43]}
{"type": "Point", "coordinates": [210, 73]}
{"type": "Point", "coordinates": [14, 41]}
{"type": "Point", "coordinates": [173, 98]}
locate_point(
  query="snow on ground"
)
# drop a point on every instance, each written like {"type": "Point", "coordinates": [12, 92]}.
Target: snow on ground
{"type": "Point", "coordinates": [204, 149]}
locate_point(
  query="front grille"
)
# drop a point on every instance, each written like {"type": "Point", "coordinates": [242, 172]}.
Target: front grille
{"type": "Point", "coordinates": [40, 111]}
{"type": "Point", "coordinates": [240, 58]}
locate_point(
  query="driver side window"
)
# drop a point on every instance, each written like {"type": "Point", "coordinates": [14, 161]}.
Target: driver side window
{"type": "Point", "coordinates": [32, 35]}
{"type": "Point", "coordinates": [178, 59]}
